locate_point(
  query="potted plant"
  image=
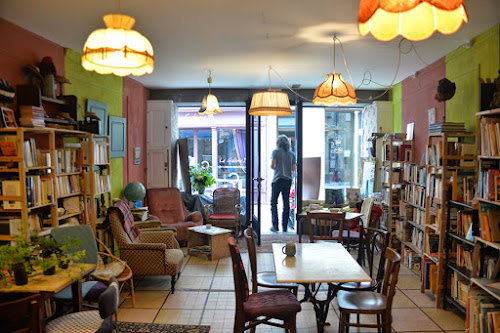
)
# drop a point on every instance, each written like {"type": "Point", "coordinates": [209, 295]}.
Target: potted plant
{"type": "Point", "coordinates": [15, 260]}
{"type": "Point", "coordinates": [201, 178]}
{"type": "Point", "coordinates": [48, 264]}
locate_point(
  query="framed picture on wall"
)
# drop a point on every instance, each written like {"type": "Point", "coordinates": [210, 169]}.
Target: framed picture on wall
{"type": "Point", "coordinates": [8, 118]}
{"type": "Point", "coordinates": [117, 136]}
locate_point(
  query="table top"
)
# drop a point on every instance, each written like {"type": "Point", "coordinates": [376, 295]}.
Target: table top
{"type": "Point", "coordinates": [202, 229]}
{"type": "Point", "coordinates": [317, 262]}
{"type": "Point", "coordinates": [49, 283]}
{"type": "Point", "coordinates": [348, 215]}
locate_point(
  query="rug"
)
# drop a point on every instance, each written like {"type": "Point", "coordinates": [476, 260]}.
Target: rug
{"type": "Point", "coordinates": [122, 326]}
{"type": "Point", "coordinates": [267, 241]}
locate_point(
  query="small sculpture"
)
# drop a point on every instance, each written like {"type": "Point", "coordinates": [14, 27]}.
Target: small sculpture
{"type": "Point", "coordinates": [495, 102]}
{"type": "Point", "coordinates": [446, 90]}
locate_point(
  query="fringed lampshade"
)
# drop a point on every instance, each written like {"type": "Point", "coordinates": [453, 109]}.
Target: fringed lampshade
{"type": "Point", "coordinates": [334, 91]}
{"type": "Point", "coordinates": [210, 106]}
{"type": "Point", "coordinates": [413, 19]}
{"type": "Point", "coordinates": [270, 103]}
{"type": "Point", "coordinates": [118, 49]}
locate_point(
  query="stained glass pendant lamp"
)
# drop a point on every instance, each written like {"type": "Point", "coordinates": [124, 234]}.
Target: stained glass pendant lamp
{"type": "Point", "coordinates": [209, 104]}
{"type": "Point", "coordinates": [413, 19]}
{"type": "Point", "coordinates": [118, 49]}
{"type": "Point", "coordinates": [270, 102]}
{"type": "Point", "coordinates": [335, 90]}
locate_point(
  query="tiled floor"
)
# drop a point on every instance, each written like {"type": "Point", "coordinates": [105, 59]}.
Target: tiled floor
{"type": "Point", "coordinates": [205, 295]}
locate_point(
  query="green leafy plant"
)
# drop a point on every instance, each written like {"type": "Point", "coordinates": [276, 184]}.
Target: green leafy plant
{"type": "Point", "coordinates": [201, 178]}
{"type": "Point", "coordinates": [48, 246]}
{"type": "Point", "coordinates": [10, 255]}
{"type": "Point", "coordinates": [47, 263]}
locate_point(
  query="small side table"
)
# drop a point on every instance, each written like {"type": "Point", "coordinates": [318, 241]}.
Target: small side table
{"type": "Point", "coordinates": [208, 243]}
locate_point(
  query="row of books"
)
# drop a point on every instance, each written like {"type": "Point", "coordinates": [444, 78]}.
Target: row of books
{"type": "Point", "coordinates": [39, 191]}
{"type": "Point", "coordinates": [429, 275]}
{"type": "Point", "coordinates": [459, 289]}
{"type": "Point", "coordinates": [489, 222]}
{"type": "Point", "coordinates": [483, 312]}
{"type": "Point", "coordinates": [411, 259]}
{"type": "Point", "coordinates": [434, 186]}
{"type": "Point", "coordinates": [395, 195]}
{"type": "Point", "coordinates": [415, 215]}
{"type": "Point", "coordinates": [461, 224]}
{"type": "Point", "coordinates": [100, 149]}
{"type": "Point", "coordinates": [489, 184]}
{"type": "Point", "coordinates": [447, 127]}
{"type": "Point", "coordinates": [417, 238]}
{"type": "Point", "coordinates": [67, 185]}
{"type": "Point", "coordinates": [31, 116]}
{"type": "Point", "coordinates": [400, 153]}
{"type": "Point", "coordinates": [102, 183]}
{"type": "Point", "coordinates": [464, 256]}
{"type": "Point", "coordinates": [489, 129]}
{"type": "Point", "coordinates": [396, 178]}
{"type": "Point", "coordinates": [415, 194]}
{"type": "Point", "coordinates": [35, 157]}
{"type": "Point", "coordinates": [414, 173]}
{"type": "Point", "coordinates": [69, 160]}
{"type": "Point", "coordinates": [435, 154]}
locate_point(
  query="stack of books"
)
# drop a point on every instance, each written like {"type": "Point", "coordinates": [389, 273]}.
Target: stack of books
{"type": "Point", "coordinates": [32, 116]}
{"type": "Point", "coordinates": [447, 127]}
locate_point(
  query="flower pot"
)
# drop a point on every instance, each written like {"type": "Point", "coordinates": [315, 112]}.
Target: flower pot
{"type": "Point", "coordinates": [199, 187]}
{"type": "Point", "coordinates": [50, 271]}
{"type": "Point", "coordinates": [20, 274]}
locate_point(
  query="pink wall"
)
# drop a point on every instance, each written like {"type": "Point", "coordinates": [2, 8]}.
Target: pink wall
{"type": "Point", "coordinates": [21, 47]}
{"type": "Point", "coordinates": [418, 96]}
{"type": "Point", "coordinates": [135, 98]}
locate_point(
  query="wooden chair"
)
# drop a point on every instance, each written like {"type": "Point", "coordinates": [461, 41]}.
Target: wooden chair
{"type": "Point", "coordinates": [322, 226]}
{"type": "Point", "coordinates": [259, 308]}
{"type": "Point", "coordinates": [226, 209]}
{"type": "Point", "coordinates": [352, 238]}
{"type": "Point", "coordinates": [370, 302]}
{"type": "Point", "coordinates": [263, 279]}
{"type": "Point", "coordinates": [21, 313]}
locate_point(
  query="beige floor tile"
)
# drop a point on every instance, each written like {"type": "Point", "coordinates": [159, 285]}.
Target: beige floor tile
{"type": "Point", "coordinates": [225, 261]}
{"type": "Point", "coordinates": [223, 283]}
{"type": "Point", "coordinates": [198, 270]}
{"type": "Point", "coordinates": [402, 301]}
{"type": "Point", "coordinates": [137, 315]}
{"type": "Point", "coordinates": [219, 320]}
{"type": "Point", "coordinates": [403, 270]}
{"type": "Point", "coordinates": [194, 282]}
{"type": "Point", "coordinates": [180, 317]}
{"type": "Point", "coordinates": [147, 300]}
{"type": "Point", "coordinates": [224, 270]}
{"type": "Point", "coordinates": [409, 320]}
{"type": "Point", "coordinates": [408, 282]}
{"type": "Point", "coordinates": [199, 261]}
{"type": "Point", "coordinates": [186, 300]}
{"type": "Point", "coordinates": [160, 282]}
{"type": "Point", "coordinates": [447, 320]}
{"type": "Point", "coordinates": [422, 300]}
{"type": "Point", "coordinates": [221, 301]}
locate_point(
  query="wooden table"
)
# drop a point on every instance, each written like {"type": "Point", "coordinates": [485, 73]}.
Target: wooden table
{"type": "Point", "coordinates": [303, 217]}
{"type": "Point", "coordinates": [322, 262]}
{"type": "Point", "coordinates": [48, 285]}
{"type": "Point", "coordinates": [214, 238]}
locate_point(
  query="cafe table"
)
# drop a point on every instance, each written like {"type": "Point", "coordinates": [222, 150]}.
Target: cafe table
{"type": "Point", "coordinates": [322, 262]}
{"type": "Point", "coordinates": [48, 285]}
{"type": "Point", "coordinates": [302, 219]}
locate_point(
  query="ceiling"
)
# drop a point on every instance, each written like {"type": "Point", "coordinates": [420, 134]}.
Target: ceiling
{"type": "Point", "coordinates": [238, 40]}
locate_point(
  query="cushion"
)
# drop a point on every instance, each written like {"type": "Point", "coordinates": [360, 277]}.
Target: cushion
{"type": "Point", "coordinates": [275, 303]}
{"type": "Point", "coordinates": [353, 234]}
{"type": "Point", "coordinates": [76, 322]}
{"type": "Point", "coordinates": [90, 291]}
{"type": "Point", "coordinates": [105, 272]}
{"type": "Point", "coordinates": [223, 216]}
{"type": "Point", "coordinates": [128, 220]}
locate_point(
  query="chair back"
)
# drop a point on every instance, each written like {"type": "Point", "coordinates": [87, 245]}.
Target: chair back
{"type": "Point", "coordinates": [391, 276]}
{"type": "Point", "coordinates": [322, 224]}
{"type": "Point", "coordinates": [375, 242]}
{"type": "Point", "coordinates": [225, 198]}
{"type": "Point", "coordinates": [85, 234]}
{"type": "Point", "coordinates": [252, 254]}
{"type": "Point", "coordinates": [116, 224]}
{"type": "Point", "coordinates": [21, 313]}
{"type": "Point", "coordinates": [109, 299]}
{"type": "Point", "coordinates": [240, 278]}
{"type": "Point", "coordinates": [366, 210]}
{"type": "Point", "coordinates": [167, 204]}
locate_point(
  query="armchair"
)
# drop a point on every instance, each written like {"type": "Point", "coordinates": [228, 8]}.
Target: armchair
{"type": "Point", "coordinates": [167, 205]}
{"type": "Point", "coordinates": [147, 252]}
{"type": "Point", "coordinates": [226, 209]}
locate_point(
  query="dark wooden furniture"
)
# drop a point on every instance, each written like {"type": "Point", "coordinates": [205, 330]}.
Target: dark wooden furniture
{"type": "Point", "coordinates": [21, 313]}
{"type": "Point", "coordinates": [226, 209]}
{"type": "Point", "coordinates": [322, 224]}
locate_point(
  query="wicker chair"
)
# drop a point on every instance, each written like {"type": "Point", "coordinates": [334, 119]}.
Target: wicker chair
{"type": "Point", "coordinates": [151, 252]}
{"type": "Point", "coordinates": [226, 209]}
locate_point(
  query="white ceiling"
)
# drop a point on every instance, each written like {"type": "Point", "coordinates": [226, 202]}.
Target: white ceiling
{"type": "Point", "coordinates": [238, 40]}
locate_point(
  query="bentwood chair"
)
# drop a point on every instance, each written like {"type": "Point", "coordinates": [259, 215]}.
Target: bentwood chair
{"type": "Point", "coordinates": [259, 308]}
{"type": "Point", "coordinates": [263, 279]}
{"type": "Point", "coordinates": [323, 224]}
{"type": "Point", "coordinates": [370, 302]}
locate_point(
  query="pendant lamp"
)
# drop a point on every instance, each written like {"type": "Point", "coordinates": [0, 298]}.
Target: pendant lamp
{"type": "Point", "coordinates": [270, 102]}
{"type": "Point", "coordinates": [335, 90]}
{"type": "Point", "coordinates": [413, 19]}
{"type": "Point", "coordinates": [209, 104]}
{"type": "Point", "coordinates": [118, 49]}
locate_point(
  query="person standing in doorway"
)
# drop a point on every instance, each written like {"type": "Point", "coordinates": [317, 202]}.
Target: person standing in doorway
{"type": "Point", "coordinates": [283, 163]}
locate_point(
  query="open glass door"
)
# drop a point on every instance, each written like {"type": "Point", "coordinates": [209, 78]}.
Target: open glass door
{"type": "Point", "coordinates": [254, 176]}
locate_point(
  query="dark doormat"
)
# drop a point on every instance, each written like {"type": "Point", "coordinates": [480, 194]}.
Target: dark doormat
{"type": "Point", "coordinates": [122, 326]}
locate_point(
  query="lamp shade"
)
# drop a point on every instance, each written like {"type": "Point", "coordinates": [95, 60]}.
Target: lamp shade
{"type": "Point", "coordinates": [413, 19]}
{"type": "Point", "coordinates": [210, 105]}
{"type": "Point", "coordinates": [118, 49]}
{"type": "Point", "coordinates": [334, 91]}
{"type": "Point", "coordinates": [270, 103]}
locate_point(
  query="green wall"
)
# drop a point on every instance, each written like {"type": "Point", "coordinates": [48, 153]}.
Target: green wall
{"type": "Point", "coordinates": [397, 111]}
{"type": "Point", "coordinates": [103, 88]}
{"type": "Point", "coordinates": [465, 66]}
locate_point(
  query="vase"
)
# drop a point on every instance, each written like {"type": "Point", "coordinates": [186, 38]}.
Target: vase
{"type": "Point", "coordinates": [199, 187]}
{"type": "Point", "coordinates": [20, 274]}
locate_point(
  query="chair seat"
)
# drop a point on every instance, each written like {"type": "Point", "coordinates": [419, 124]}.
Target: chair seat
{"type": "Point", "coordinates": [76, 322]}
{"type": "Point", "coordinates": [90, 292]}
{"type": "Point", "coordinates": [222, 216]}
{"type": "Point", "coordinates": [361, 301]}
{"type": "Point", "coordinates": [352, 286]}
{"type": "Point", "coordinates": [352, 234]}
{"type": "Point", "coordinates": [268, 279]}
{"type": "Point", "coordinates": [274, 303]}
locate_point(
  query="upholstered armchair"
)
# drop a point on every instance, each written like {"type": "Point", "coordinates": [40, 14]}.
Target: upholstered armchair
{"type": "Point", "coordinates": [147, 252]}
{"type": "Point", "coordinates": [167, 206]}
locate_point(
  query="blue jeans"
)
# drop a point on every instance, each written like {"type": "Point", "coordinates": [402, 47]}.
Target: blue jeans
{"type": "Point", "coordinates": [280, 186]}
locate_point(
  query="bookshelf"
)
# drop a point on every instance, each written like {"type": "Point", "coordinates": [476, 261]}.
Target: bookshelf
{"type": "Point", "coordinates": [451, 167]}
{"type": "Point", "coordinates": [396, 152]}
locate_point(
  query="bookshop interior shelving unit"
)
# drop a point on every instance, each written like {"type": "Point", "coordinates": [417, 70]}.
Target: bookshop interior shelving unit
{"type": "Point", "coordinates": [43, 176]}
{"type": "Point", "coordinates": [451, 161]}
{"type": "Point", "coordinates": [396, 152]}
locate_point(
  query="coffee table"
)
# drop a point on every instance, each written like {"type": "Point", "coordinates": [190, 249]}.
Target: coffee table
{"type": "Point", "coordinates": [208, 243]}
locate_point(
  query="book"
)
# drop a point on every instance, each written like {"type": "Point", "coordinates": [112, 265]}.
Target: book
{"type": "Point", "coordinates": [11, 188]}
{"type": "Point", "coordinates": [8, 145]}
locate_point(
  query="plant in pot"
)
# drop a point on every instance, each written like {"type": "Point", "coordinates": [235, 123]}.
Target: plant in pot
{"type": "Point", "coordinates": [48, 264]}
{"type": "Point", "coordinates": [70, 252]}
{"type": "Point", "coordinates": [201, 178]}
{"type": "Point", "coordinates": [15, 260]}
{"type": "Point", "coordinates": [48, 249]}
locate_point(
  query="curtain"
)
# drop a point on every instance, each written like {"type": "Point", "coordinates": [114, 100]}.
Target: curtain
{"type": "Point", "coordinates": [240, 143]}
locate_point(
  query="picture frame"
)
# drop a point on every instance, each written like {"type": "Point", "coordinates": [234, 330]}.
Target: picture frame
{"type": "Point", "coordinates": [8, 118]}
{"type": "Point", "coordinates": [117, 136]}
